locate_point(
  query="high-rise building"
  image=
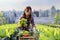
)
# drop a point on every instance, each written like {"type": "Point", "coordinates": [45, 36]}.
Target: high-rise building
{"type": "Point", "coordinates": [53, 11]}
{"type": "Point", "coordinates": [46, 13]}
{"type": "Point", "coordinates": [43, 13]}
{"type": "Point", "coordinates": [36, 13]}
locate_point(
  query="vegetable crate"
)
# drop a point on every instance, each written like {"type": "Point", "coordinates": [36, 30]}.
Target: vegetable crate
{"type": "Point", "coordinates": [26, 38]}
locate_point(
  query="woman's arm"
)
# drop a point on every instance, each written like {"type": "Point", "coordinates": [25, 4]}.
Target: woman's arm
{"type": "Point", "coordinates": [19, 26]}
{"type": "Point", "coordinates": [33, 24]}
{"type": "Point", "coordinates": [20, 17]}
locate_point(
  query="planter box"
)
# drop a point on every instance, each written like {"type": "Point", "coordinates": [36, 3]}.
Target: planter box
{"type": "Point", "coordinates": [26, 38]}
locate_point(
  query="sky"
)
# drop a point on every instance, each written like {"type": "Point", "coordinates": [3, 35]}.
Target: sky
{"type": "Point", "coordinates": [35, 4]}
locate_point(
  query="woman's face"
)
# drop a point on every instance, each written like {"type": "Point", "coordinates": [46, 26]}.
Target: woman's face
{"type": "Point", "coordinates": [27, 12]}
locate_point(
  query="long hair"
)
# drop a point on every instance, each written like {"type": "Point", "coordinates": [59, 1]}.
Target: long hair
{"type": "Point", "coordinates": [24, 14]}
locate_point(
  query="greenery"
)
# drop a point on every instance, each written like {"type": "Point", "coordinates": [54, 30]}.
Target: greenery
{"type": "Point", "coordinates": [57, 18]}
{"type": "Point", "coordinates": [7, 30]}
{"type": "Point", "coordinates": [23, 33]}
{"type": "Point", "coordinates": [48, 32]}
{"type": "Point", "coordinates": [2, 19]}
{"type": "Point", "coordinates": [45, 32]}
{"type": "Point", "coordinates": [22, 22]}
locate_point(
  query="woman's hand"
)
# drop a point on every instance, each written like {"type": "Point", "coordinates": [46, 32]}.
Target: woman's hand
{"type": "Point", "coordinates": [34, 29]}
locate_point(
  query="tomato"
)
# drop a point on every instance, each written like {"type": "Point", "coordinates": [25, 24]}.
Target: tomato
{"type": "Point", "coordinates": [26, 35]}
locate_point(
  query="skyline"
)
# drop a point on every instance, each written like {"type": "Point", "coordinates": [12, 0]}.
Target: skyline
{"type": "Point", "coordinates": [35, 4]}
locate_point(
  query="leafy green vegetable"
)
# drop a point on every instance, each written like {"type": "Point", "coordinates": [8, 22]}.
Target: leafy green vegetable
{"type": "Point", "coordinates": [22, 33]}
{"type": "Point", "coordinates": [22, 22]}
{"type": "Point", "coordinates": [7, 30]}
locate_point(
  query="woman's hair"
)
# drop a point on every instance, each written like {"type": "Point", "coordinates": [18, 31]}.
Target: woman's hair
{"type": "Point", "coordinates": [24, 14]}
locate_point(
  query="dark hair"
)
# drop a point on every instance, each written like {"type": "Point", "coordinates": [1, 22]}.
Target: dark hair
{"type": "Point", "coordinates": [24, 15]}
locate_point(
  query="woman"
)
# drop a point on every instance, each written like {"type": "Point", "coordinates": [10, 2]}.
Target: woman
{"type": "Point", "coordinates": [28, 15]}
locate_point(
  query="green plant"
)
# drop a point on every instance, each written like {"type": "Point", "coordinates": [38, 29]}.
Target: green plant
{"type": "Point", "coordinates": [7, 30]}
{"type": "Point", "coordinates": [22, 22]}
{"type": "Point", "coordinates": [23, 33]}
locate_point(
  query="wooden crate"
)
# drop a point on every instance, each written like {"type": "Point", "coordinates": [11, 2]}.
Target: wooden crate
{"type": "Point", "coordinates": [26, 38]}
